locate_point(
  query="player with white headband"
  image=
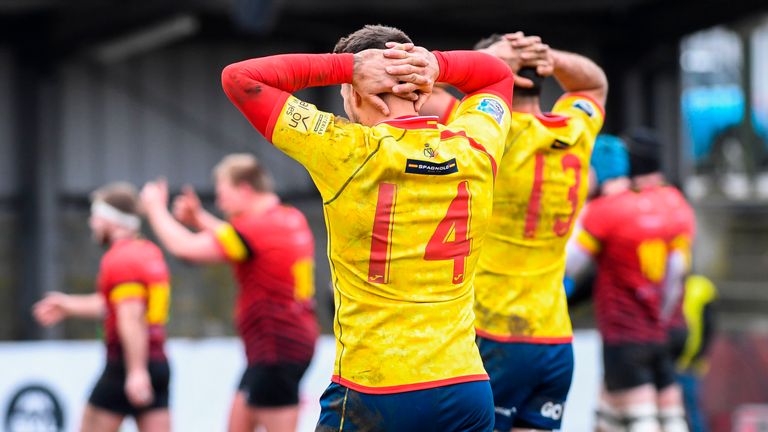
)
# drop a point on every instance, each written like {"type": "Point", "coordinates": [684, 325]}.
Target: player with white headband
{"type": "Point", "coordinates": [132, 298]}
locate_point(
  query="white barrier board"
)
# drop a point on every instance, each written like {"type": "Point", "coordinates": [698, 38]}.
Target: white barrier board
{"type": "Point", "coordinates": [44, 385]}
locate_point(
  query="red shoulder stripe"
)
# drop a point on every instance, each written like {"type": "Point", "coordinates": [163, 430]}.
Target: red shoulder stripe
{"type": "Point", "coordinates": [445, 134]}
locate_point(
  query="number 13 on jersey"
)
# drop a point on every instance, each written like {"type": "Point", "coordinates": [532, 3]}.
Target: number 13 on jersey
{"type": "Point", "coordinates": [449, 242]}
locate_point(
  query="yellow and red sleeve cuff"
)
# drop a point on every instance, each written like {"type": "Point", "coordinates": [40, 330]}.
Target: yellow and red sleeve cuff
{"type": "Point", "coordinates": [231, 243]}
{"type": "Point", "coordinates": [588, 243]}
{"type": "Point", "coordinates": [127, 291]}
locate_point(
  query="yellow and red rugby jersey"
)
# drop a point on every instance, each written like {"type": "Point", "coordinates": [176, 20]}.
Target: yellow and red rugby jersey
{"type": "Point", "coordinates": [541, 186]}
{"type": "Point", "coordinates": [135, 270]}
{"type": "Point", "coordinates": [407, 203]}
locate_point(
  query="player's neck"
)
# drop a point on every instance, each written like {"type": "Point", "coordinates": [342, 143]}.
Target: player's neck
{"type": "Point", "coordinates": [398, 108]}
{"type": "Point", "coordinates": [648, 181]}
{"type": "Point", "coordinates": [526, 104]}
{"type": "Point", "coordinates": [120, 234]}
{"type": "Point", "coordinates": [615, 186]}
{"type": "Point", "coordinates": [263, 202]}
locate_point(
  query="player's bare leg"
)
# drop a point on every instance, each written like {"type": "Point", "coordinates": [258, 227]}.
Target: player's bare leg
{"type": "Point", "coordinates": [158, 420]}
{"type": "Point", "coordinates": [99, 420]}
{"type": "Point", "coordinates": [280, 419]}
{"type": "Point", "coordinates": [242, 418]}
{"type": "Point", "coordinates": [671, 409]}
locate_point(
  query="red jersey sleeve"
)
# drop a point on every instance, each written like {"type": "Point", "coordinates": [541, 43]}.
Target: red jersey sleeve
{"type": "Point", "coordinates": [474, 72]}
{"type": "Point", "coordinates": [123, 280]}
{"type": "Point", "coordinates": [260, 87]}
{"type": "Point", "coordinates": [597, 219]}
{"type": "Point", "coordinates": [232, 242]}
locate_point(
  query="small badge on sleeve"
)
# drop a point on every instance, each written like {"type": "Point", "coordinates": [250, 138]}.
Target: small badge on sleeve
{"type": "Point", "coordinates": [493, 108]}
{"type": "Point", "coordinates": [414, 166]}
{"type": "Point", "coordinates": [585, 106]}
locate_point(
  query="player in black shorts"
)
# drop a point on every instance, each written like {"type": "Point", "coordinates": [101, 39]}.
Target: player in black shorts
{"type": "Point", "coordinates": [271, 250]}
{"type": "Point", "coordinates": [133, 301]}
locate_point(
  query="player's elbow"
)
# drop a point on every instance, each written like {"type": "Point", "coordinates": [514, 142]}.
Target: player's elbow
{"type": "Point", "coordinates": [229, 78]}
{"type": "Point", "coordinates": [601, 87]}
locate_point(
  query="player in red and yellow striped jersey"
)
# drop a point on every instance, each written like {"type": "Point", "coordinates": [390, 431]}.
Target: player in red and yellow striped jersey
{"type": "Point", "coordinates": [133, 300]}
{"type": "Point", "coordinates": [271, 250]}
{"type": "Point", "coordinates": [523, 327]}
{"type": "Point", "coordinates": [639, 239]}
{"type": "Point", "coordinates": [407, 203]}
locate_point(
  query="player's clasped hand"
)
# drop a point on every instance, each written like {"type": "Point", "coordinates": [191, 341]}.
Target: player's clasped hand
{"type": "Point", "coordinates": [519, 51]}
{"type": "Point", "coordinates": [186, 207]}
{"type": "Point", "coordinates": [416, 70]}
{"type": "Point", "coordinates": [154, 193]}
{"type": "Point", "coordinates": [533, 52]}
{"type": "Point", "coordinates": [407, 71]}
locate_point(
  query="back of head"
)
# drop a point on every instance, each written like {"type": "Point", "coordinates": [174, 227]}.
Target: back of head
{"type": "Point", "coordinates": [370, 37]}
{"type": "Point", "coordinates": [121, 196]}
{"type": "Point", "coordinates": [242, 168]}
{"type": "Point", "coordinates": [526, 72]}
{"type": "Point", "coordinates": [609, 158]}
{"type": "Point", "coordinates": [644, 149]}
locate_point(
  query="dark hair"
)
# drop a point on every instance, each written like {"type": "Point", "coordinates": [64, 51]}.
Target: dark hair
{"type": "Point", "coordinates": [526, 72]}
{"type": "Point", "coordinates": [644, 150]}
{"type": "Point", "coordinates": [486, 42]}
{"type": "Point", "coordinates": [244, 168]}
{"type": "Point", "coordinates": [120, 195]}
{"type": "Point", "coordinates": [368, 37]}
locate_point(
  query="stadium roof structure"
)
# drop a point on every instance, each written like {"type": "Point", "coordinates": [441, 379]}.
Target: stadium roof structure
{"type": "Point", "coordinates": [631, 25]}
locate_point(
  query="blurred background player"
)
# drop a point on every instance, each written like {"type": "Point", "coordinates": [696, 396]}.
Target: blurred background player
{"type": "Point", "coordinates": [398, 191]}
{"type": "Point", "coordinates": [133, 298]}
{"type": "Point", "coordinates": [645, 168]}
{"type": "Point", "coordinates": [690, 341]}
{"type": "Point", "coordinates": [630, 234]}
{"type": "Point", "coordinates": [524, 331]}
{"type": "Point", "coordinates": [271, 249]}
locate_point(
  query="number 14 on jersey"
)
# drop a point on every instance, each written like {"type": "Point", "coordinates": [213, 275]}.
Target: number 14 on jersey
{"type": "Point", "coordinates": [449, 242]}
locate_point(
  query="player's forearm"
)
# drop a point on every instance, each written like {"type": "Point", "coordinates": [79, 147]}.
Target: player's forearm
{"type": "Point", "coordinates": [578, 74]}
{"type": "Point", "coordinates": [176, 238]}
{"type": "Point", "coordinates": [85, 306]}
{"type": "Point", "coordinates": [473, 72]}
{"type": "Point", "coordinates": [134, 337]}
{"type": "Point", "coordinates": [673, 283]}
{"type": "Point", "coordinates": [207, 221]}
{"type": "Point", "coordinates": [259, 87]}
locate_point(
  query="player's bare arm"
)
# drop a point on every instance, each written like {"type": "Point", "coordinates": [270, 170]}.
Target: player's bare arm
{"type": "Point", "coordinates": [56, 306]}
{"type": "Point", "coordinates": [178, 240]}
{"type": "Point", "coordinates": [134, 337]}
{"type": "Point", "coordinates": [188, 210]}
{"type": "Point", "coordinates": [578, 74]}
{"type": "Point", "coordinates": [674, 281]}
